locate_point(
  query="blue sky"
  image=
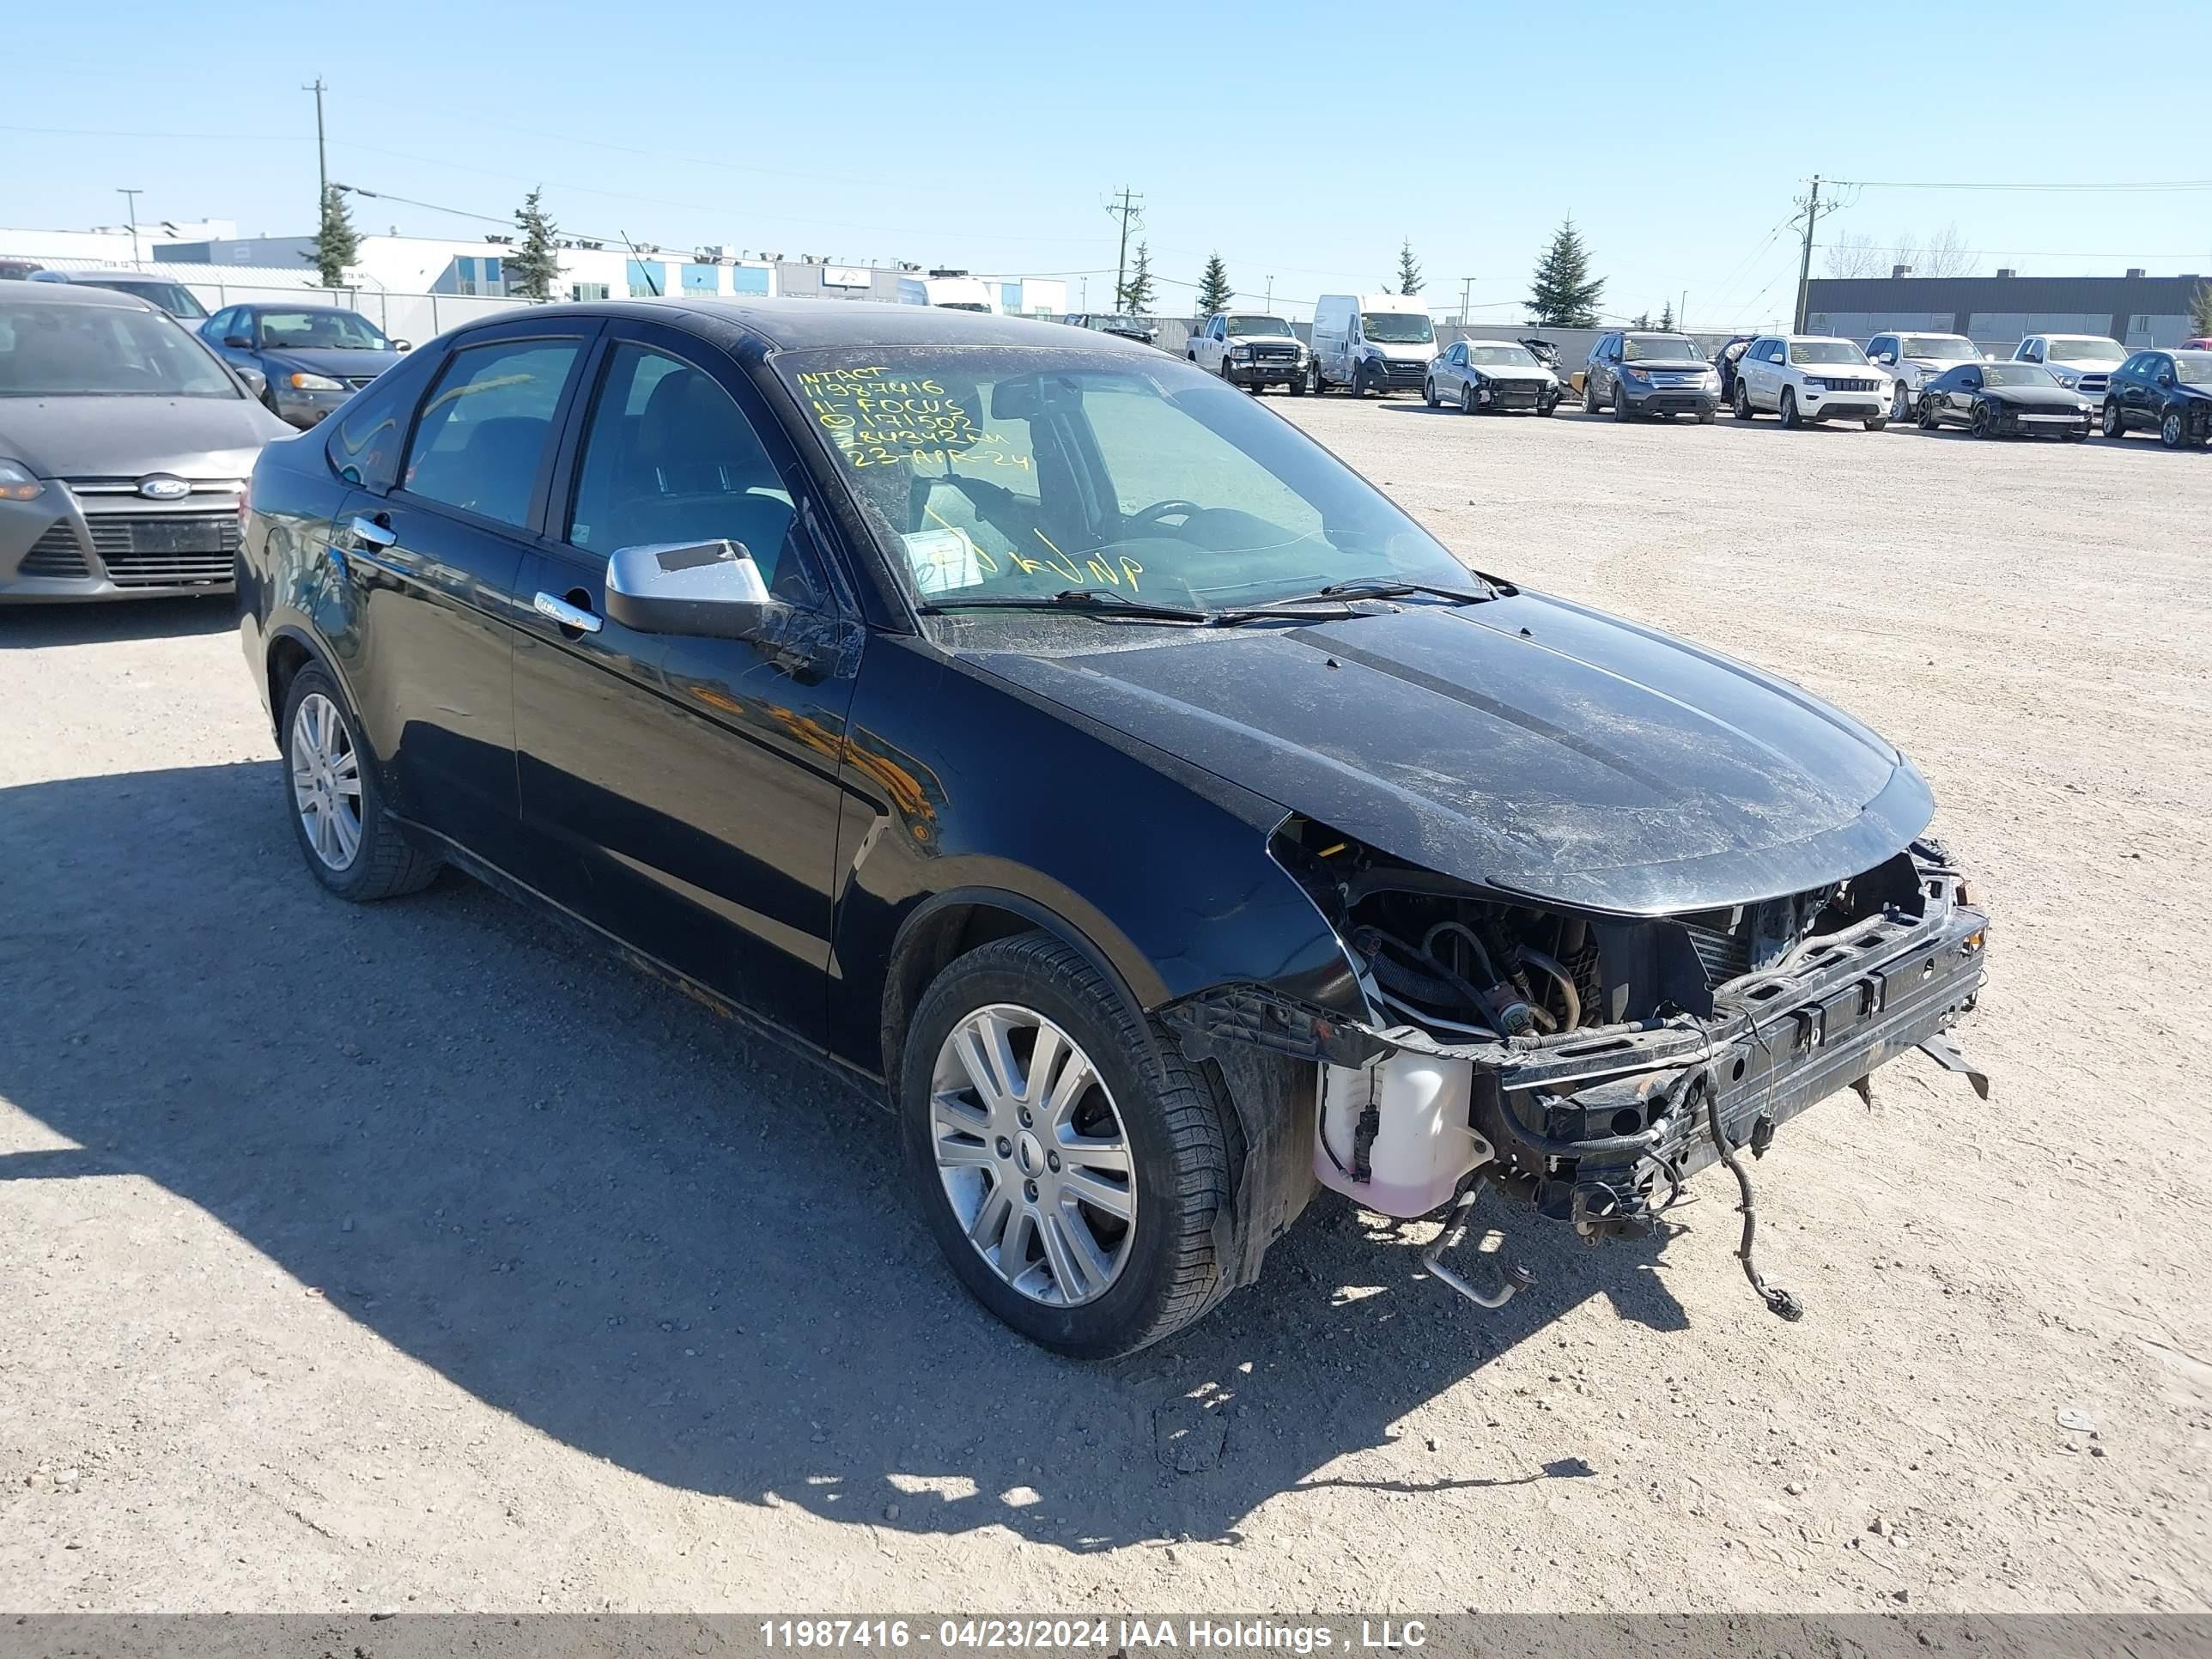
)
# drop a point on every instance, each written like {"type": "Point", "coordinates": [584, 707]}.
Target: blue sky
{"type": "Point", "coordinates": [1301, 141]}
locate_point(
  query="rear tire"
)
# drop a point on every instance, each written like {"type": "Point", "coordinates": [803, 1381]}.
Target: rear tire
{"type": "Point", "coordinates": [1590, 396]}
{"type": "Point", "coordinates": [329, 778]}
{"type": "Point", "coordinates": [1176, 1129]}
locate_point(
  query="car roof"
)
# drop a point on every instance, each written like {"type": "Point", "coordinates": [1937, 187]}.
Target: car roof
{"type": "Point", "coordinates": [805, 325]}
{"type": "Point", "coordinates": [80, 293]}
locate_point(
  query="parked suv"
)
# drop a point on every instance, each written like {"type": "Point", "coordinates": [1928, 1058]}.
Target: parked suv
{"type": "Point", "coordinates": [1809, 378]}
{"type": "Point", "coordinates": [2081, 362]}
{"type": "Point", "coordinates": [1250, 349]}
{"type": "Point", "coordinates": [1633, 373]}
{"type": "Point", "coordinates": [751, 636]}
{"type": "Point", "coordinates": [1915, 360]}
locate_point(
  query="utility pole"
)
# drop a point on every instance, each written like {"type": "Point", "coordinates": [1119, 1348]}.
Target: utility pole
{"type": "Point", "coordinates": [322, 161]}
{"type": "Point", "coordinates": [1805, 259]}
{"type": "Point", "coordinates": [1125, 208]}
{"type": "Point", "coordinates": [1466, 285]}
{"type": "Point", "coordinates": [131, 210]}
{"type": "Point", "coordinates": [1270, 306]}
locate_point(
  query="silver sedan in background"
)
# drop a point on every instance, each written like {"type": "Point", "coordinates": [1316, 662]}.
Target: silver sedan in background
{"type": "Point", "coordinates": [125, 448]}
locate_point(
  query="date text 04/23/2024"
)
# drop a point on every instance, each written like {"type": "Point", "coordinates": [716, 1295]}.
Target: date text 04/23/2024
{"type": "Point", "coordinates": [1105, 1636]}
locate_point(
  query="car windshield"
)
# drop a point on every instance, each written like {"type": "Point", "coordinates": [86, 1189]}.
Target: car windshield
{"type": "Point", "coordinates": [2193, 368]}
{"type": "Point", "coordinates": [1274, 325]}
{"type": "Point", "coordinates": [321, 331]}
{"type": "Point", "coordinates": [1006, 474]}
{"type": "Point", "coordinates": [1487, 352]}
{"type": "Point", "coordinates": [1825, 351]}
{"type": "Point", "coordinates": [1659, 348]}
{"type": "Point", "coordinates": [173, 297]}
{"type": "Point", "coordinates": [2017, 374]}
{"type": "Point", "coordinates": [102, 351]}
{"type": "Point", "coordinates": [1397, 327]}
{"type": "Point", "coordinates": [2082, 349]}
{"type": "Point", "coordinates": [1937, 348]}
{"type": "Point", "coordinates": [1110, 324]}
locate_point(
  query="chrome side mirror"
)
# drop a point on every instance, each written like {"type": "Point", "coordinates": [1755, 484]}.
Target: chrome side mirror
{"type": "Point", "coordinates": [711, 590]}
{"type": "Point", "coordinates": [256, 381]}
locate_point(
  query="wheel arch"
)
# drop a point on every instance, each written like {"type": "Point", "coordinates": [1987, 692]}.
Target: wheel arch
{"type": "Point", "coordinates": [291, 650]}
{"type": "Point", "coordinates": [948, 924]}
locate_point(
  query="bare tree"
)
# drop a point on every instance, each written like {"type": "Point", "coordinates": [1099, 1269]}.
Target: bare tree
{"type": "Point", "coordinates": [1854, 254]}
{"type": "Point", "coordinates": [1946, 255]}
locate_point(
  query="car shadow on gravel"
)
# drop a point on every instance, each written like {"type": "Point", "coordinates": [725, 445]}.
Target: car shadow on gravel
{"type": "Point", "coordinates": [596, 1205]}
{"type": "Point", "coordinates": [28, 627]}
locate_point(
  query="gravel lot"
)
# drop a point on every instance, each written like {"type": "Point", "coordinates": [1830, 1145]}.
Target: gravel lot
{"type": "Point", "coordinates": [415, 1257]}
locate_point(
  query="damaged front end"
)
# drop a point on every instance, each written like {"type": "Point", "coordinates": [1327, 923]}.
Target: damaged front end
{"type": "Point", "coordinates": [1590, 1063]}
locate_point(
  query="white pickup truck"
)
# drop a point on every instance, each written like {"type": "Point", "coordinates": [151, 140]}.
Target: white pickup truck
{"type": "Point", "coordinates": [1251, 349]}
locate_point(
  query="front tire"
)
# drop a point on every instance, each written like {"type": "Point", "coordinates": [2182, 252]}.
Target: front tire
{"type": "Point", "coordinates": [1789, 410]}
{"type": "Point", "coordinates": [1429, 393]}
{"type": "Point", "coordinates": [1983, 426]}
{"type": "Point", "coordinates": [1876, 423]}
{"type": "Point", "coordinates": [2172, 432]}
{"type": "Point", "coordinates": [1296, 385]}
{"type": "Point", "coordinates": [1315, 384]}
{"type": "Point", "coordinates": [1619, 406]}
{"type": "Point", "coordinates": [1074, 1166]}
{"type": "Point", "coordinates": [1900, 403]}
{"type": "Point", "coordinates": [2113, 423]}
{"type": "Point", "coordinates": [337, 807]}
{"type": "Point", "coordinates": [1467, 405]}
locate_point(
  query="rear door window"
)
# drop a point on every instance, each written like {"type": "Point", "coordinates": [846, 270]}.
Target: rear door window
{"type": "Point", "coordinates": [484, 432]}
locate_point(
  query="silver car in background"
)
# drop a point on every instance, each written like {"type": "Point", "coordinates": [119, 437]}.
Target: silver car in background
{"type": "Point", "coordinates": [124, 448]}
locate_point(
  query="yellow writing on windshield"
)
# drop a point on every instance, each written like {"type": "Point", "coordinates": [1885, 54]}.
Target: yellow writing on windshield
{"type": "Point", "coordinates": [880, 419]}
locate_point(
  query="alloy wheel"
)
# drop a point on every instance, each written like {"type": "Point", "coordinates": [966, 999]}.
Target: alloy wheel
{"type": "Point", "coordinates": [2170, 430]}
{"type": "Point", "coordinates": [2113, 426]}
{"type": "Point", "coordinates": [326, 781]}
{"type": "Point", "coordinates": [1900, 403]}
{"type": "Point", "coordinates": [1032, 1154]}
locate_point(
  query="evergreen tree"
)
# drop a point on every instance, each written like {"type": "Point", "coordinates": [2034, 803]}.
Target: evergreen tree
{"type": "Point", "coordinates": [535, 267]}
{"type": "Point", "coordinates": [1136, 294]}
{"type": "Point", "coordinates": [2200, 308]}
{"type": "Point", "coordinates": [1563, 293]}
{"type": "Point", "coordinates": [1667, 318]}
{"type": "Point", "coordinates": [338, 244]}
{"type": "Point", "coordinates": [1643, 319]}
{"type": "Point", "coordinates": [1214, 293]}
{"type": "Point", "coordinates": [1409, 269]}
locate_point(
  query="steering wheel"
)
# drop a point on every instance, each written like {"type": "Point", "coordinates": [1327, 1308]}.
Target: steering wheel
{"type": "Point", "coordinates": [1159, 510]}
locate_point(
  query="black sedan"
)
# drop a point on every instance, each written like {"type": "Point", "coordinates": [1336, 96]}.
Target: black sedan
{"type": "Point", "coordinates": [313, 358]}
{"type": "Point", "coordinates": [2168, 392]}
{"type": "Point", "coordinates": [1060, 744]}
{"type": "Point", "coordinates": [2004, 400]}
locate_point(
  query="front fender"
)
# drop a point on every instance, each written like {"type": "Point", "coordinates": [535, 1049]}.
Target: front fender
{"type": "Point", "coordinates": [963, 791]}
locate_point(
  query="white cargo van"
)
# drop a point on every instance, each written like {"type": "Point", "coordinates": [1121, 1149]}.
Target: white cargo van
{"type": "Point", "coordinates": [1370, 343]}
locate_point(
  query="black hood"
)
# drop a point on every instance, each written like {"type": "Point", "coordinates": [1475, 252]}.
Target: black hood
{"type": "Point", "coordinates": [1527, 744]}
{"type": "Point", "coordinates": [2036, 396]}
{"type": "Point", "coordinates": [338, 362]}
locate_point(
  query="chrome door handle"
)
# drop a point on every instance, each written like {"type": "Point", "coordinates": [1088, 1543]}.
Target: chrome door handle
{"type": "Point", "coordinates": [568, 615]}
{"type": "Point", "coordinates": [369, 533]}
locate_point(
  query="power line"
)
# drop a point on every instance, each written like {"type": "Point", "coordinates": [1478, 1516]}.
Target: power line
{"type": "Point", "coordinates": [1932, 184]}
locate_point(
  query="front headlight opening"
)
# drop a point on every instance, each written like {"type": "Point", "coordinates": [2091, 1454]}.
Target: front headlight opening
{"type": "Point", "coordinates": [19, 484]}
{"type": "Point", "coordinates": [299, 380]}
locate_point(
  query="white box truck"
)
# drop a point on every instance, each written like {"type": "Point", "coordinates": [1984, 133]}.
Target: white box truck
{"type": "Point", "coordinates": [1370, 343]}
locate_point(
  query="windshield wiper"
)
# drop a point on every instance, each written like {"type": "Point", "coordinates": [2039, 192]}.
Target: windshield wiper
{"type": "Point", "coordinates": [1098, 600]}
{"type": "Point", "coordinates": [1390, 587]}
